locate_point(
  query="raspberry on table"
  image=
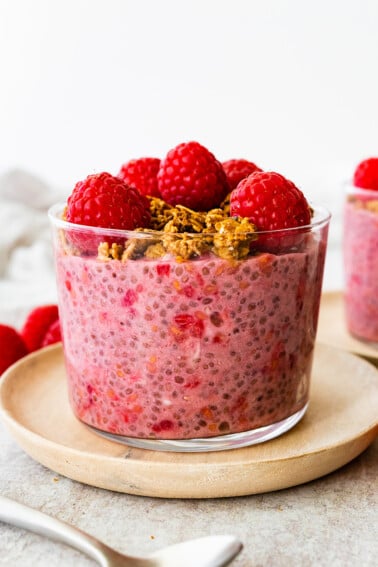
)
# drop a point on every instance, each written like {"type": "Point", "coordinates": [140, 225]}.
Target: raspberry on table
{"type": "Point", "coordinates": [142, 175]}
{"type": "Point", "coordinates": [270, 202]}
{"type": "Point", "coordinates": [190, 175]}
{"type": "Point", "coordinates": [238, 169]}
{"type": "Point", "coordinates": [366, 174]}
{"type": "Point", "coordinates": [103, 200]}
{"type": "Point", "coordinates": [37, 324]}
{"type": "Point", "coordinates": [12, 347]}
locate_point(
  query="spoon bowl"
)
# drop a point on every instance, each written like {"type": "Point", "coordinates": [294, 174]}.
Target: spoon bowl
{"type": "Point", "coordinates": [209, 551]}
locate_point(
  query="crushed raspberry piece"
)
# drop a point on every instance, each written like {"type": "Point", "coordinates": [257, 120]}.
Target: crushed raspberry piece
{"type": "Point", "coordinates": [366, 174]}
{"type": "Point", "coordinates": [12, 347]}
{"type": "Point", "coordinates": [142, 175]}
{"type": "Point", "coordinates": [129, 298]}
{"type": "Point", "coordinates": [192, 384]}
{"type": "Point", "coordinates": [163, 269]}
{"type": "Point", "coordinates": [190, 175]}
{"type": "Point", "coordinates": [238, 169]}
{"type": "Point", "coordinates": [187, 322]}
{"type": "Point", "coordinates": [184, 320]}
{"type": "Point", "coordinates": [270, 202]}
{"type": "Point", "coordinates": [164, 425]}
{"type": "Point", "coordinates": [37, 324]}
{"type": "Point", "coordinates": [188, 290]}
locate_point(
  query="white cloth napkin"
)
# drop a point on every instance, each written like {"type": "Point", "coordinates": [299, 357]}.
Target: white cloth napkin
{"type": "Point", "coordinates": [27, 277]}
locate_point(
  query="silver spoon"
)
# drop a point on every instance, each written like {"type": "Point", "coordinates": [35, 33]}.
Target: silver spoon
{"type": "Point", "coordinates": [210, 551]}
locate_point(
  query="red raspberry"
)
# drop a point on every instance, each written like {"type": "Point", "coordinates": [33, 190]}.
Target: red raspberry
{"type": "Point", "coordinates": [238, 169]}
{"type": "Point", "coordinates": [105, 201]}
{"type": "Point", "coordinates": [12, 347]}
{"type": "Point", "coordinates": [142, 174]}
{"type": "Point", "coordinates": [53, 334]}
{"type": "Point", "coordinates": [37, 324]}
{"type": "Point", "coordinates": [102, 200]}
{"type": "Point", "coordinates": [270, 202]}
{"type": "Point", "coordinates": [190, 175]}
{"type": "Point", "coordinates": [366, 174]}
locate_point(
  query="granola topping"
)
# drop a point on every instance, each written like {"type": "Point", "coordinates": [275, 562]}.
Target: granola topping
{"type": "Point", "coordinates": [370, 205]}
{"type": "Point", "coordinates": [185, 234]}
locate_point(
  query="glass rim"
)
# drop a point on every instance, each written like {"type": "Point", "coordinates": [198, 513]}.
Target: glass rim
{"type": "Point", "coordinates": [321, 217]}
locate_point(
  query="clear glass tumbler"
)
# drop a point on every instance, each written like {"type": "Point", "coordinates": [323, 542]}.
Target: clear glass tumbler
{"type": "Point", "coordinates": [360, 243]}
{"type": "Point", "coordinates": [200, 354]}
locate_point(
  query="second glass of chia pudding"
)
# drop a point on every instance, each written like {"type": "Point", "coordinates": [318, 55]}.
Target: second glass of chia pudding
{"type": "Point", "coordinates": [195, 330]}
{"type": "Point", "coordinates": [360, 243]}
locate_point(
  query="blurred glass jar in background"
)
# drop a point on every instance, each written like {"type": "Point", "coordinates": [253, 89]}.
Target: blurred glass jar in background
{"type": "Point", "coordinates": [360, 250]}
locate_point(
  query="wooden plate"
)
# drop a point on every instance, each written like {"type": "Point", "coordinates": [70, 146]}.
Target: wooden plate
{"type": "Point", "coordinates": [342, 420]}
{"type": "Point", "coordinates": [332, 328]}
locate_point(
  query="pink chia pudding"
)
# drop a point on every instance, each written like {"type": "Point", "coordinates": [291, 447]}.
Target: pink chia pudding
{"type": "Point", "coordinates": [361, 265]}
{"type": "Point", "coordinates": [189, 294]}
{"type": "Point", "coordinates": [167, 349]}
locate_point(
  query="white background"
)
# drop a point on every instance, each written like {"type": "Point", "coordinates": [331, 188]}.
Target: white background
{"type": "Point", "coordinates": [290, 84]}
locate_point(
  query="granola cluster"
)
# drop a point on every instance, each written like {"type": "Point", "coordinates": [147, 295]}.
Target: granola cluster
{"type": "Point", "coordinates": [185, 234]}
{"type": "Point", "coordinates": [370, 205]}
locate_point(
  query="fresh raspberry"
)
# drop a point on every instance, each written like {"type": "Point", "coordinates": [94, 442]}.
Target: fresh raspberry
{"type": "Point", "coordinates": [142, 174]}
{"type": "Point", "coordinates": [12, 347]}
{"type": "Point", "coordinates": [270, 202]}
{"type": "Point", "coordinates": [102, 200]}
{"type": "Point", "coordinates": [238, 169]}
{"type": "Point", "coordinates": [37, 324]}
{"type": "Point", "coordinates": [105, 201]}
{"type": "Point", "coordinates": [53, 334]}
{"type": "Point", "coordinates": [190, 175]}
{"type": "Point", "coordinates": [366, 174]}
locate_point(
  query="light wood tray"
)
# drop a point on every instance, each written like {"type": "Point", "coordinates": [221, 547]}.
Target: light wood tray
{"type": "Point", "coordinates": [332, 328]}
{"type": "Point", "coordinates": [342, 420]}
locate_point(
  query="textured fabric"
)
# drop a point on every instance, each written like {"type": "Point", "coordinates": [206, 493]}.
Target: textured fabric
{"type": "Point", "coordinates": [27, 276]}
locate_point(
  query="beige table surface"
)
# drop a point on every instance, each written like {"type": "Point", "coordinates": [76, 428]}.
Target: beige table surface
{"type": "Point", "coordinates": [330, 521]}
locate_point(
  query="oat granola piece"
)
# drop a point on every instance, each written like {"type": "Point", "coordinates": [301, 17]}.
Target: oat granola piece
{"type": "Point", "coordinates": [233, 238]}
{"type": "Point", "coordinates": [155, 251]}
{"type": "Point", "coordinates": [106, 252]}
{"type": "Point", "coordinates": [212, 218]}
{"type": "Point", "coordinates": [185, 220]}
{"type": "Point", "coordinates": [372, 206]}
{"type": "Point", "coordinates": [136, 247]}
{"type": "Point", "coordinates": [225, 205]}
{"type": "Point", "coordinates": [185, 246]}
{"type": "Point", "coordinates": [161, 213]}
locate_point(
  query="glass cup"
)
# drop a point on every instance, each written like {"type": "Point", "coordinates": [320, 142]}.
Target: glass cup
{"type": "Point", "coordinates": [360, 251]}
{"type": "Point", "coordinates": [200, 354]}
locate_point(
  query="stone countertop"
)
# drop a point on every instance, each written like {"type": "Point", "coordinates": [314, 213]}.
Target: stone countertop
{"type": "Point", "coordinates": [329, 521]}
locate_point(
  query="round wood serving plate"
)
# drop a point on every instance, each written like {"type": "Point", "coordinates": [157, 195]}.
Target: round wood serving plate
{"type": "Point", "coordinates": [342, 420]}
{"type": "Point", "coordinates": [332, 328]}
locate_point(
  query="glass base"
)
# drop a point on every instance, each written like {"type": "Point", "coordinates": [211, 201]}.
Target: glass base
{"type": "Point", "coordinates": [219, 443]}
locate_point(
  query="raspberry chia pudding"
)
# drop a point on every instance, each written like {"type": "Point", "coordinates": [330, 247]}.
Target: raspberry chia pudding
{"type": "Point", "coordinates": [200, 328]}
{"type": "Point", "coordinates": [360, 243]}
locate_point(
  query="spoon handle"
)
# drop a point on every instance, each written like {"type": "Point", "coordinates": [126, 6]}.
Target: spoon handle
{"type": "Point", "coordinates": [12, 512]}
